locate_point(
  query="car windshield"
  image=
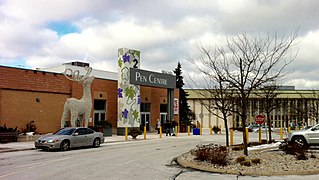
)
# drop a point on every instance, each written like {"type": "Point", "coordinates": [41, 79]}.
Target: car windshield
{"type": "Point", "coordinates": [316, 127]}
{"type": "Point", "coordinates": [66, 131]}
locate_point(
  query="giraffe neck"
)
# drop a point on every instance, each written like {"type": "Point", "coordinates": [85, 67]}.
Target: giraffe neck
{"type": "Point", "coordinates": [86, 91]}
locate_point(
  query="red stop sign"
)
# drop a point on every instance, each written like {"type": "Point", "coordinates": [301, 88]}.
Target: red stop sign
{"type": "Point", "coordinates": [260, 119]}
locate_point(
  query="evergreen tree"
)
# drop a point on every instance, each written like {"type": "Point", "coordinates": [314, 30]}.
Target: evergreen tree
{"type": "Point", "coordinates": [184, 111]}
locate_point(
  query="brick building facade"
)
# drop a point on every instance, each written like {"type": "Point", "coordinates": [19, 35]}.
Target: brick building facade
{"type": "Point", "coordinates": [33, 95]}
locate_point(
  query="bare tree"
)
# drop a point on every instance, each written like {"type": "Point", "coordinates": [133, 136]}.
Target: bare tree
{"type": "Point", "coordinates": [219, 98]}
{"type": "Point", "coordinates": [310, 107]}
{"type": "Point", "coordinates": [267, 97]}
{"type": "Point", "coordinates": [299, 110]}
{"type": "Point", "coordinates": [245, 64]}
{"type": "Point", "coordinates": [314, 106]}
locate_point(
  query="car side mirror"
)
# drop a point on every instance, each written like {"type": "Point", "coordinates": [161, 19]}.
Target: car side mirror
{"type": "Point", "coordinates": [75, 134]}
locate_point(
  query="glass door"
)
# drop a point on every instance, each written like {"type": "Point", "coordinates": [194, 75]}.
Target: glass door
{"type": "Point", "coordinates": [163, 117]}
{"type": "Point", "coordinates": [145, 117]}
{"type": "Point", "coordinates": [99, 113]}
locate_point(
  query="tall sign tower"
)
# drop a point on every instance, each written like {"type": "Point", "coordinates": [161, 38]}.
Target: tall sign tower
{"type": "Point", "coordinates": [128, 94]}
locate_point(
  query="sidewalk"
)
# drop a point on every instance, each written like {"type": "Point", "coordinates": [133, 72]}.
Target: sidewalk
{"type": "Point", "coordinates": [29, 145]}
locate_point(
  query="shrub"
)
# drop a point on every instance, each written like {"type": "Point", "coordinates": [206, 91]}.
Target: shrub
{"type": "Point", "coordinates": [216, 129]}
{"type": "Point", "coordinates": [4, 128]}
{"type": "Point", "coordinates": [104, 124]}
{"type": "Point", "coordinates": [134, 132]}
{"type": "Point", "coordinates": [237, 148]}
{"type": "Point", "coordinates": [298, 151]}
{"type": "Point", "coordinates": [253, 144]}
{"type": "Point", "coordinates": [29, 127]}
{"type": "Point", "coordinates": [256, 161]}
{"type": "Point", "coordinates": [240, 159]}
{"type": "Point", "coordinates": [284, 146]}
{"type": "Point", "coordinates": [212, 153]}
{"type": "Point", "coordinates": [246, 163]}
{"type": "Point", "coordinates": [202, 154]}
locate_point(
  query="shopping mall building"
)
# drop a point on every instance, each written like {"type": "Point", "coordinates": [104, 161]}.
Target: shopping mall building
{"type": "Point", "coordinates": [291, 106]}
{"type": "Point", "coordinates": [39, 95]}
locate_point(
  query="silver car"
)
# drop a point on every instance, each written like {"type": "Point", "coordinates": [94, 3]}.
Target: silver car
{"type": "Point", "coordinates": [264, 129]}
{"type": "Point", "coordinates": [70, 137]}
{"type": "Point", "coordinates": [308, 137]}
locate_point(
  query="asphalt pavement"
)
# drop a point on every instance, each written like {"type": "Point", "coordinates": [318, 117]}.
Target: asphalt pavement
{"type": "Point", "coordinates": [29, 145]}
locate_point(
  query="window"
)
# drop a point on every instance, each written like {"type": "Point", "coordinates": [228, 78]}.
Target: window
{"type": "Point", "coordinates": [99, 113]}
{"type": "Point", "coordinates": [99, 104]}
{"type": "Point", "coordinates": [81, 131]}
{"type": "Point", "coordinates": [163, 108]}
{"type": "Point", "coordinates": [89, 131]}
{"type": "Point", "coordinates": [145, 107]}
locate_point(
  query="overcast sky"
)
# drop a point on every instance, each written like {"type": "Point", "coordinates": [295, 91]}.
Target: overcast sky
{"type": "Point", "coordinates": [44, 33]}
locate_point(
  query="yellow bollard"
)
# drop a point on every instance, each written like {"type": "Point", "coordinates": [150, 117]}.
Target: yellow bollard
{"type": "Point", "coordinates": [200, 130]}
{"type": "Point", "coordinates": [281, 134]}
{"type": "Point", "coordinates": [126, 132]}
{"type": "Point", "coordinates": [176, 131]}
{"type": "Point", "coordinates": [160, 132]}
{"type": "Point", "coordinates": [144, 132]}
{"type": "Point", "coordinates": [188, 130]}
{"type": "Point", "coordinates": [220, 127]}
{"type": "Point", "coordinates": [231, 137]}
{"type": "Point", "coordinates": [296, 128]}
{"type": "Point", "coordinates": [210, 130]}
{"type": "Point", "coordinates": [303, 127]}
{"type": "Point", "coordinates": [247, 135]}
{"type": "Point", "coordinates": [259, 134]}
{"type": "Point", "coordinates": [289, 130]}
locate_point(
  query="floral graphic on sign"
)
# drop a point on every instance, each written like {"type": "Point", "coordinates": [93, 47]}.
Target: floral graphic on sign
{"type": "Point", "coordinates": [129, 99]}
{"type": "Point", "coordinates": [129, 92]}
{"type": "Point", "coordinates": [120, 93]}
{"type": "Point", "coordinates": [126, 58]}
{"type": "Point", "coordinates": [139, 99]}
{"type": "Point", "coordinates": [135, 114]}
{"type": "Point", "coordinates": [120, 62]}
{"type": "Point", "coordinates": [124, 113]}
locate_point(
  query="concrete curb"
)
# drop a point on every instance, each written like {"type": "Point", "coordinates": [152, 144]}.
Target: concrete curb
{"type": "Point", "coordinates": [184, 162]}
{"type": "Point", "coordinates": [13, 150]}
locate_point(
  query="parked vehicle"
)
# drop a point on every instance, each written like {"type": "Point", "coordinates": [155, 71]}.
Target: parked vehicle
{"type": "Point", "coordinates": [305, 138]}
{"type": "Point", "coordinates": [70, 137]}
{"type": "Point", "coordinates": [253, 127]}
{"type": "Point", "coordinates": [264, 129]}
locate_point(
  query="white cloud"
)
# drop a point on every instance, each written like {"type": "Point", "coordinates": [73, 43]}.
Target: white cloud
{"type": "Point", "coordinates": [164, 31]}
{"type": "Point", "coordinates": [304, 83]}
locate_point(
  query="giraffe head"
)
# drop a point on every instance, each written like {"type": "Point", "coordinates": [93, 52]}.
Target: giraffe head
{"type": "Point", "coordinates": [75, 76]}
{"type": "Point", "coordinates": [88, 80]}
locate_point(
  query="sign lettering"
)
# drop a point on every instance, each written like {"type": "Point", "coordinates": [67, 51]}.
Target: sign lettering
{"type": "Point", "coordinates": [148, 78]}
{"type": "Point", "coordinates": [140, 77]}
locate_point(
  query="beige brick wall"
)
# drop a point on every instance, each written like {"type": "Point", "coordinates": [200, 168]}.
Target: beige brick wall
{"type": "Point", "coordinates": [19, 89]}
{"type": "Point", "coordinates": [20, 107]}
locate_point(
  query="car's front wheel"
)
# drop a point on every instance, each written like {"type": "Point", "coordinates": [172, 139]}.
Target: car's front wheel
{"type": "Point", "coordinates": [65, 145]}
{"type": "Point", "coordinates": [300, 141]}
{"type": "Point", "coordinates": [96, 142]}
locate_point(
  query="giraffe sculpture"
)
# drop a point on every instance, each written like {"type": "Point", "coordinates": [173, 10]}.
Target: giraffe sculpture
{"type": "Point", "coordinates": [78, 107]}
